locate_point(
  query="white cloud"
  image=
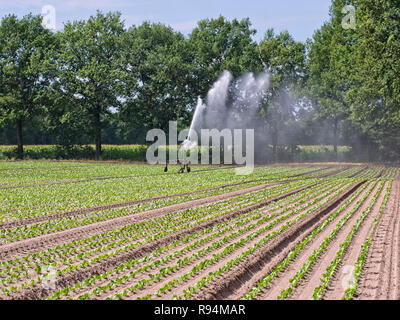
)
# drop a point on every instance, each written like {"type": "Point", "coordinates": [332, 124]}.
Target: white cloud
{"type": "Point", "coordinates": [184, 26]}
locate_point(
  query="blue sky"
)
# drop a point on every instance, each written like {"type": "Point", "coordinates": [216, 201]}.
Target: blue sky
{"type": "Point", "coordinates": [300, 18]}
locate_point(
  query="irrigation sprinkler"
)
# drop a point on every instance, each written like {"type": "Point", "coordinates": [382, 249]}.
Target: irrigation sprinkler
{"type": "Point", "coordinates": [185, 165]}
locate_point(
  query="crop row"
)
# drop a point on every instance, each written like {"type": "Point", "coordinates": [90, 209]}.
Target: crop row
{"type": "Point", "coordinates": [251, 236]}
{"type": "Point", "coordinates": [349, 293]}
{"type": "Point", "coordinates": [327, 276]}
{"type": "Point", "coordinates": [218, 244]}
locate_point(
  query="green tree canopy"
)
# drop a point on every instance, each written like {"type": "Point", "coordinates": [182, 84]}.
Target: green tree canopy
{"type": "Point", "coordinates": [24, 48]}
{"type": "Point", "coordinates": [91, 76]}
{"type": "Point", "coordinates": [375, 94]}
{"type": "Point", "coordinates": [218, 45]}
{"type": "Point", "coordinates": [160, 68]}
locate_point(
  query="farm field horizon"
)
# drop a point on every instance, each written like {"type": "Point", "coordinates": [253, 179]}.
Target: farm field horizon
{"type": "Point", "coordinates": [96, 230]}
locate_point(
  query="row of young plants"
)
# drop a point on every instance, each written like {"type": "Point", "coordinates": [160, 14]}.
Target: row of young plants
{"type": "Point", "coordinates": [322, 248]}
{"type": "Point", "coordinates": [95, 247]}
{"type": "Point", "coordinates": [129, 263]}
{"type": "Point", "coordinates": [26, 212]}
{"type": "Point", "coordinates": [391, 173]}
{"type": "Point", "coordinates": [314, 203]}
{"type": "Point", "coordinates": [105, 238]}
{"type": "Point", "coordinates": [371, 172]}
{"type": "Point", "coordinates": [327, 170]}
{"type": "Point", "coordinates": [331, 269]}
{"type": "Point", "coordinates": [156, 203]}
{"type": "Point", "coordinates": [160, 227]}
{"type": "Point", "coordinates": [347, 173]}
{"type": "Point", "coordinates": [48, 172]}
{"type": "Point", "coordinates": [359, 265]}
{"type": "Point", "coordinates": [120, 231]}
{"type": "Point", "coordinates": [264, 282]}
{"type": "Point", "coordinates": [68, 197]}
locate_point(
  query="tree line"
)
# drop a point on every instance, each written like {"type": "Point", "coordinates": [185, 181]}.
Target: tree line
{"type": "Point", "coordinates": [99, 81]}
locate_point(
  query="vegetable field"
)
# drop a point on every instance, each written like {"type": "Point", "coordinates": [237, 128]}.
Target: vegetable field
{"type": "Point", "coordinates": [93, 230]}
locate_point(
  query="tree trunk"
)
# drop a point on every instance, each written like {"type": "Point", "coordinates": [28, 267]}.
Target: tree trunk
{"type": "Point", "coordinates": [335, 139]}
{"type": "Point", "coordinates": [20, 145]}
{"type": "Point", "coordinates": [275, 144]}
{"type": "Point", "coordinates": [98, 136]}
